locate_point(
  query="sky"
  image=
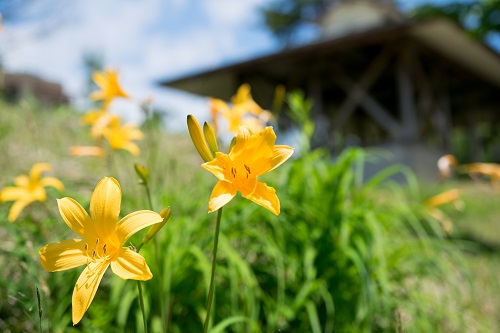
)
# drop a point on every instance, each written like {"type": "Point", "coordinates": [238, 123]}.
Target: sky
{"type": "Point", "coordinates": [145, 40]}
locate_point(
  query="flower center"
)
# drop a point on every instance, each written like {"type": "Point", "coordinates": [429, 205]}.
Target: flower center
{"type": "Point", "coordinates": [99, 251]}
{"type": "Point", "coordinates": [242, 177]}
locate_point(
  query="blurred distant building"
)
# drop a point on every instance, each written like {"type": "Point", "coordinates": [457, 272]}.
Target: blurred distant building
{"type": "Point", "coordinates": [15, 86]}
{"type": "Point", "coordinates": [377, 78]}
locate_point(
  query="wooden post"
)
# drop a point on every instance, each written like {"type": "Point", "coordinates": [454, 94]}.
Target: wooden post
{"type": "Point", "coordinates": [407, 96]}
{"type": "Point", "coordinates": [320, 135]}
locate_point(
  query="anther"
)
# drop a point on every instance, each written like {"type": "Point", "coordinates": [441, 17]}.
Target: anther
{"type": "Point", "coordinates": [104, 248]}
{"type": "Point", "coordinates": [97, 241]}
{"type": "Point", "coordinates": [247, 168]}
{"type": "Point", "coordinates": [93, 253]}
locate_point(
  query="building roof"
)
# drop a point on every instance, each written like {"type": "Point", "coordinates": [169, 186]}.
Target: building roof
{"type": "Point", "coordinates": [441, 36]}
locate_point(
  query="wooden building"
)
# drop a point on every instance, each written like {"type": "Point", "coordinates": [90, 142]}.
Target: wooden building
{"type": "Point", "coordinates": [14, 86]}
{"type": "Point", "coordinates": [389, 81]}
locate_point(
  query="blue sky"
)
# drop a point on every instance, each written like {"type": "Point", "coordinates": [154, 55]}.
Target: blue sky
{"type": "Point", "coordinates": [145, 40]}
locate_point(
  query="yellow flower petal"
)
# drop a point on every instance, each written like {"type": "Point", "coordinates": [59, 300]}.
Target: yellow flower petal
{"type": "Point", "coordinates": [130, 147]}
{"type": "Point", "coordinates": [53, 182]}
{"type": "Point", "coordinates": [86, 151]}
{"type": "Point", "coordinates": [22, 181]}
{"type": "Point", "coordinates": [443, 198]}
{"type": "Point", "coordinates": [131, 265]}
{"type": "Point", "coordinates": [86, 287]}
{"type": "Point", "coordinates": [12, 193]}
{"type": "Point", "coordinates": [37, 169]}
{"type": "Point", "coordinates": [222, 193]}
{"type": "Point", "coordinates": [63, 255]}
{"type": "Point", "coordinates": [133, 132]}
{"type": "Point", "coordinates": [134, 222]}
{"type": "Point", "coordinates": [17, 208]}
{"type": "Point", "coordinates": [280, 154]}
{"type": "Point", "coordinates": [218, 165]}
{"type": "Point", "coordinates": [97, 95]}
{"type": "Point", "coordinates": [105, 205]}
{"type": "Point", "coordinates": [254, 150]}
{"type": "Point", "coordinates": [266, 197]}
{"type": "Point", "coordinates": [74, 215]}
{"type": "Point", "coordinates": [99, 78]}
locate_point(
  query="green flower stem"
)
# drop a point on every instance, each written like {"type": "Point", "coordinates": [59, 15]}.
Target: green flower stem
{"type": "Point", "coordinates": [157, 261]}
{"type": "Point", "coordinates": [214, 261]}
{"type": "Point", "coordinates": [148, 192]}
{"type": "Point", "coordinates": [160, 285]}
{"type": "Point", "coordinates": [141, 303]}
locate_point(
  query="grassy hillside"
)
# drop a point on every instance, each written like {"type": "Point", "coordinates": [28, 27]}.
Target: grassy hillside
{"type": "Point", "coordinates": [346, 254]}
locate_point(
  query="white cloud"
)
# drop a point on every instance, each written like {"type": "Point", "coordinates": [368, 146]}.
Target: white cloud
{"type": "Point", "coordinates": [145, 40]}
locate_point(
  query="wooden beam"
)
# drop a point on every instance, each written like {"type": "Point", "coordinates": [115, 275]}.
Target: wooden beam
{"type": "Point", "coordinates": [365, 82]}
{"type": "Point", "coordinates": [372, 107]}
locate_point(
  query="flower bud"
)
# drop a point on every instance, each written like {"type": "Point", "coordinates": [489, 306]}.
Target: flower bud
{"type": "Point", "coordinates": [210, 137]}
{"type": "Point", "coordinates": [165, 213]}
{"type": "Point", "coordinates": [198, 139]}
{"type": "Point", "coordinates": [142, 172]}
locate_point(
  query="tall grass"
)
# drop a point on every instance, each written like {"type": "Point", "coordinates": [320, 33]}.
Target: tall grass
{"type": "Point", "coordinates": [346, 254]}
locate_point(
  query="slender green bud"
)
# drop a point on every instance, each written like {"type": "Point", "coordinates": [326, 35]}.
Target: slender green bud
{"type": "Point", "coordinates": [198, 139]}
{"type": "Point", "coordinates": [210, 137]}
{"type": "Point", "coordinates": [165, 213]}
{"type": "Point", "coordinates": [142, 172]}
{"type": "Point", "coordinates": [233, 142]}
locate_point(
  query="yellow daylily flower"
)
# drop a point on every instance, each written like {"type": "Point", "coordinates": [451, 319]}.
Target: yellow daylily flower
{"type": "Point", "coordinates": [244, 112]}
{"type": "Point", "coordinates": [250, 157]}
{"type": "Point", "coordinates": [109, 87]}
{"type": "Point", "coordinates": [28, 189]}
{"type": "Point", "coordinates": [100, 245]}
{"type": "Point", "coordinates": [121, 136]}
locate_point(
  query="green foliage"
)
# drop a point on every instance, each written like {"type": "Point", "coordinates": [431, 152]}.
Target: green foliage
{"type": "Point", "coordinates": [346, 254]}
{"type": "Point", "coordinates": [299, 109]}
{"type": "Point", "coordinates": [285, 17]}
{"type": "Point", "coordinates": [479, 17]}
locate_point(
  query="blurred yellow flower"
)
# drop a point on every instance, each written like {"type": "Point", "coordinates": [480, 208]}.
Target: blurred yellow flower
{"type": "Point", "coordinates": [98, 120]}
{"type": "Point", "coordinates": [491, 170]}
{"type": "Point", "coordinates": [107, 81]}
{"type": "Point", "coordinates": [120, 136]}
{"type": "Point", "coordinates": [443, 198]}
{"type": "Point", "coordinates": [432, 204]}
{"type": "Point", "coordinates": [101, 243]}
{"type": "Point", "coordinates": [244, 112]}
{"type": "Point", "coordinates": [28, 189]}
{"type": "Point", "coordinates": [250, 157]}
{"type": "Point", "coordinates": [243, 100]}
{"type": "Point", "coordinates": [86, 151]}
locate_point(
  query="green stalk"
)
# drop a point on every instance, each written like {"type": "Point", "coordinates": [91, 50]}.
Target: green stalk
{"type": "Point", "coordinates": [141, 303]}
{"type": "Point", "coordinates": [157, 261]}
{"type": "Point", "coordinates": [214, 260]}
